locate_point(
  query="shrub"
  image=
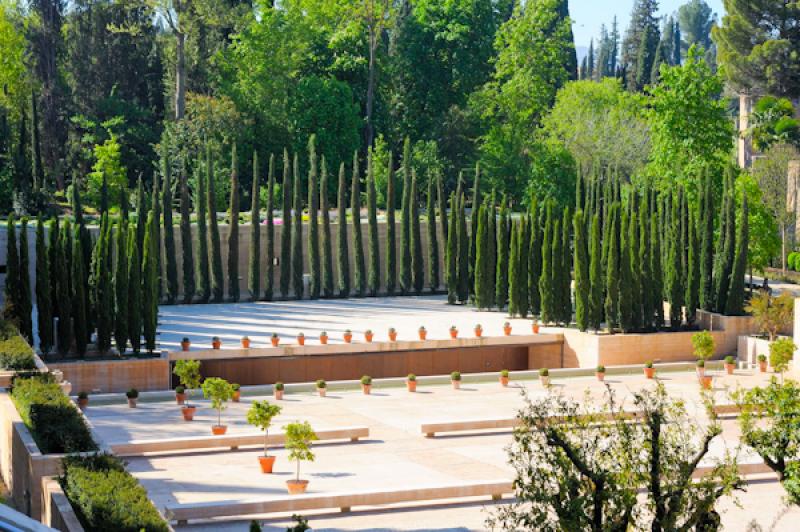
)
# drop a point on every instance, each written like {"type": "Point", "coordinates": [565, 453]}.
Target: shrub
{"type": "Point", "coordinates": [504, 373]}
{"type": "Point", "coordinates": [544, 372]}
{"type": "Point", "coordinates": [133, 393]}
{"type": "Point", "coordinates": [15, 353]}
{"type": "Point", "coordinates": [455, 376]}
{"type": "Point", "coordinates": [601, 369]}
{"type": "Point", "coordinates": [53, 420]}
{"type": "Point", "coordinates": [648, 364]}
{"type": "Point", "coordinates": [781, 353]}
{"type": "Point", "coordinates": [180, 389]}
{"type": "Point", "coordinates": [279, 386]}
{"type": "Point", "coordinates": [703, 344]}
{"type": "Point", "coordinates": [321, 384]}
{"type": "Point", "coordinates": [411, 377]}
{"type": "Point", "coordinates": [236, 386]}
{"type": "Point", "coordinates": [790, 261]}
{"type": "Point", "coordinates": [730, 359]}
{"type": "Point", "coordinates": [366, 380]}
{"type": "Point", "coordinates": [762, 358]}
{"type": "Point", "coordinates": [701, 363]}
{"type": "Point", "coordinates": [106, 497]}
{"type": "Point", "coordinates": [771, 314]}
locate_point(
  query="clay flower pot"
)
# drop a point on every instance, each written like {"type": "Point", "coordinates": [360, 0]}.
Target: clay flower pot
{"type": "Point", "coordinates": [278, 395]}
{"type": "Point", "coordinates": [601, 376]}
{"type": "Point", "coordinates": [411, 385]}
{"type": "Point", "coordinates": [729, 368]}
{"type": "Point", "coordinates": [296, 487]}
{"type": "Point", "coordinates": [219, 430]}
{"type": "Point", "coordinates": [216, 343]}
{"type": "Point", "coordinates": [545, 380]}
{"type": "Point", "coordinates": [275, 340]}
{"type": "Point", "coordinates": [503, 381]}
{"type": "Point", "coordinates": [392, 335]}
{"type": "Point", "coordinates": [507, 329]}
{"type": "Point", "coordinates": [322, 387]}
{"type": "Point", "coordinates": [266, 463]}
{"type": "Point", "coordinates": [188, 412]}
{"type": "Point", "coordinates": [456, 384]}
{"type": "Point", "coordinates": [535, 328]}
{"type": "Point", "coordinates": [453, 333]}
{"type": "Point", "coordinates": [762, 366]}
{"type": "Point", "coordinates": [423, 333]}
{"type": "Point", "coordinates": [323, 338]}
{"type": "Point", "coordinates": [132, 402]}
{"type": "Point", "coordinates": [246, 342]}
{"type": "Point", "coordinates": [649, 372]}
{"type": "Point", "coordinates": [185, 344]}
{"type": "Point", "coordinates": [348, 337]}
{"type": "Point", "coordinates": [368, 336]}
{"type": "Point", "coordinates": [366, 388]}
{"type": "Point", "coordinates": [478, 331]}
{"type": "Point", "coordinates": [705, 382]}
{"type": "Point", "coordinates": [301, 339]}
{"type": "Point", "coordinates": [237, 394]}
{"type": "Point", "coordinates": [180, 398]}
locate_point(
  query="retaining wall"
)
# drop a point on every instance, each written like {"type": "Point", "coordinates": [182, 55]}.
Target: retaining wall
{"type": "Point", "coordinates": [57, 512]}
{"type": "Point", "coordinates": [144, 374]}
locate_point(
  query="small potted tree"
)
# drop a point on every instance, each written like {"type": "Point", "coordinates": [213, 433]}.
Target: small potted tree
{"type": "Point", "coordinates": [323, 338]}
{"type": "Point", "coordinates": [649, 370]}
{"type": "Point", "coordinates": [83, 400]}
{"type": "Point", "coordinates": [411, 382]}
{"type": "Point", "coordinates": [245, 342]}
{"type": "Point", "coordinates": [368, 335]}
{"type": "Point", "coordinates": [277, 390]}
{"type": "Point", "coordinates": [301, 339]}
{"type": "Point", "coordinates": [185, 343]}
{"type": "Point", "coordinates": [504, 378]}
{"type": "Point", "coordinates": [507, 328]}
{"type": "Point", "coordinates": [366, 384]}
{"type": "Point", "coordinates": [701, 367]}
{"type": "Point", "coordinates": [730, 364]}
{"type": "Point", "coordinates": [298, 442]}
{"type": "Point", "coordinates": [132, 395]}
{"type": "Point", "coordinates": [180, 394]}
{"type": "Point", "coordinates": [423, 333]}
{"type": "Point", "coordinates": [544, 377]}
{"type": "Point", "coordinates": [216, 343]}
{"type": "Point", "coordinates": [535, 326]}
{"type": "Point", "coordinates": [348, 336]}
{"type": "Point", "coordinates": [275, 339]}
{"type": "Point", "coordinates": [392, 334]}
{"type": "Point", "coordinates": [453, 332]}
{"type": "Point", "coordinates": [220, 392]}
{"type": "Point", "coordinates": [762, 363]}
{"type": "Point", "coordinates": [188, 372]}
{"type": "Point", "coordinates": [781, 352]}
{"type": "Point", "coordinates": [322, 387]}
{"type": "Point", "coordinates": [478, 331]}
{"type": "Point", "coordinates": [455, 380]}
{"type": "Point", "coordinates": [600, 373]}
{"type": "Point", "coordinates": [703, 343]}
{"type": "Point", "coordinates": [260, 415]}
{"type": "Point", "coordinates": [237, 392]}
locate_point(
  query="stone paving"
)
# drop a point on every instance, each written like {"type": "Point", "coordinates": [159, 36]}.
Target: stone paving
{"type": "Point", "coordinates": [395, 456]}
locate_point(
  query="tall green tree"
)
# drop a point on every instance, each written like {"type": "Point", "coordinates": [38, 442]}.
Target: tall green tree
{"type": "Point", "coordinates": [613, 270]}
{"type": "Point", "coordinates": [141, 211]}
{"type": "Point", "coordinates": [706, 229]}
{"type": "Point", "coordinates": [482, 281]}
{"type": "Point", "coordinates": [187, 249]}
{"type": "Point", "coordinates": [692, 297]}
{"type": "Point", "coordinates": [566, 267]}
{"type": "Point", "coordinates": [217, 283]}
{"type": "Point", "coordinates": [360, 277]}
{"type": "Point", "coordinates": [313, 226]}
{"type": "Point", "coordinates": [646, 300]}
{"type": "Point", "coordinates": [327, 250]}
{"type": "Point", "coordinates": [641, 40]}
{"type": "Point", "coordinates": [451, 275]}
{"type": "Point", "coordinates": [595, 314]}
{"type": "Point", "coordinates": [582, 266]}
{"type": "Point", "coordinates": [170, 257]}
{"type": "Point", "coordinates": [462, 252]}
{"type": "Point", "coordinates": [726, 244]}
{"type": "Point", "coordinates": [657, 276]}
{"type": "Point", "coordinates": [286, 227]}
{"type": "Point", "coordinates": [104, 310]}
{"type": "Point", "coordinates": [80, 330]}
{"type": "Point", "coordinates": [134, 291]}
{"type": "Point", "coordinates": [417, 262]}
{"type": "Point", "coordinates": [343, 248]}
{"type": "Point", "coordinates": [200, 201]}
{"type": "Point", "coordinates": [121, 288]}
{"type": "Point", "coordinates": [374, 271]}
{"type": "Point", "coordinates": [515, 273]}
{"type": "Point", "coordinates": [535, 259]}
{"type": "Point", "coordinates": [391, 230]}
{"type": "Point", "coordinates": [674, 272]}
{"type": "Point", "coordinates": [233, 236]}
{"type": "Point", "coordinates": [156, 210]}
{"type": "Point", "coordinates": [12, 304]}
{"type": "Point", "coordinates": [433, 240]}
{"type": "Point", "coordinates": [405, 227]}
{"type": "Point", "coordinates": [254, 275]}
{"type": "Point", "coordinates": [503, 249]}
{"type": "Point", "coordinates": [149, 308]}
{"type": "Point", "coordinates": [522, 254]}
{"type": "Point", "coordinates": [54, 232]}
{"type": "Point", "coordinates": [474, 219]}
{"type": "Point", "coordinates": [442, 206]}
{"type": "Point", "coordinates": [735, 301]}
{"type": "Point", "coordinates": [546, 288]}
{"type": "Point", "coordinates": [44, 298]}
{"type": "Point", "coordinates": [64, 292]}
{"type": "Point", "coordinates": [269, 281]}
{"type": "Point", "coordinates": [25, 301]}
{"type": "Point", "coordinates": [492, 244]}
{"type": "Point", "coordinates": [297, 233]}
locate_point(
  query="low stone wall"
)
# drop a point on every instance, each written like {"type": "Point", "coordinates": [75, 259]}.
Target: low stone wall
{"type": "Point", "coordinates": [57, 512]}
{"type": "Point", "coordinates": [106, 376]}
{"type": "Point", "coordinates": [733, 326]}
{"type": "Point", "coordinates": [750, 347]}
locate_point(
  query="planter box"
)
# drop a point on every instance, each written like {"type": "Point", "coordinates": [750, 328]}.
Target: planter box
{"type": "Point", "coordinates": [57, 512]}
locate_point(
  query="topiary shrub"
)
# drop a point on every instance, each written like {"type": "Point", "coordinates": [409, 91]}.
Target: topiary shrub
{"type": "Point", "coordinates": [15, 353]}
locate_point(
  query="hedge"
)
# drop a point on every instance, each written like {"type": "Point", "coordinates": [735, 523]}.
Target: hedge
{"type": "Point", "coordinates": [53, 420]}
{"type": "Point", "coordinates": [107, 497]}
{"type": "Point", "coordinates": [15, 353]}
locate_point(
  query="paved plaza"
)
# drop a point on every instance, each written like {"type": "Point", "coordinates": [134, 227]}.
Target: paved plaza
{"type": "Point", "coordinates": [395, 455]}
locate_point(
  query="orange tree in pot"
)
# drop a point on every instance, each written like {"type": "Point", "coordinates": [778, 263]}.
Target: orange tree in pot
{"type": "Point", "coordinates": [478, 330]}
{"type": "Point", "coordinates": [83, 400]}
{"type": "Point", "coordinates": [237, 392]}
{"type": "Point", "coordinates": [730, 364]}
{"type": "Point", "coordinates": [423, 332]}
{"type": "Point", "coordinates": [411, 382]}
{"type": "Point", "coordinates": [455, 379]}
{"type": "Point", "coordinates": [600, 373]}
{"type": "Point", "coordinates": [453, 332]}
{"type": "Point", "coordinates": [544, 377]}
{"type": "Point", "coordinates": [260, 415]}
{"type": "Point", "coordinates": [392, 334]}
{"type": "Point", "coordinates": [180, 394]}
{"type": "Point", "coordinates": [188, 372]}
{"type": "Point", "coordinates": [504, 377]}
{"type": "Point", "coordinates": [762, 363]}
{"type": "Point", "coordinates": [220, 392]}
{"type": "Point", "coordinates": [275, 339]}
{"type": "Point", "coordinates": [348, 336]}
{"type": "Point", "coordinates": [246, 342]}
{"type": "Point", "coordinates": [298, 442]}
{"type": "Point", "coordinates": [278, 390]}
{"type": "Point", "coordinates": [507, 328]}
{"type": "Point", "coordinates": [368, 335]}
{"type": "Point", "coordinates": [322, 387]}
{"type": "Point", "coordinates": [323, 338]}
{"type": "Point", "coordinates": [366, 384]}
{"type": "Point", "coordinates": [301, 339]}
{"type": "Point", "coordinates": [649, 370]}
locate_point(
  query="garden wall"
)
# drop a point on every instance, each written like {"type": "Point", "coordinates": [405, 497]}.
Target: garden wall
{"type": "Point", "coordinates": [57, 512]}
{"type": "Point", "coordinates": [144, 374]}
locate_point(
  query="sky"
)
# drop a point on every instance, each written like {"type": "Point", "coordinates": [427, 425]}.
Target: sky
{"type": "Point", "coordinates": [589, 14]}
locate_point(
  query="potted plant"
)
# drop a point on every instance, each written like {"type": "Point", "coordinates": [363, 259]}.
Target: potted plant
{"type": "Point", "coordinates": [705, 382]}
{"type": "Point", "coordinates": [275, 339]}
{"type": "Point", "coordinates": [323, 338]}
{"type": "Point", "coordinates": [366, 384]}
{"type": "Point", "coordinates": [600, 373]}
{"type": "Point", "coordinates": [83, 400]}
{"type": "Point", "coordinates": [260, 415]}
{"type": "Point", "coordinates": [544, 377]}
{"type": "Point", "coordinates": [730, 364]}
{"type": "Point", "coordinates": [701, 367]}
{"type": "Point", "coordinates": [507, 328]}
{"type": "Point", "coordinates": [411, 382]}
{"type": "Point", "coordinates": [301, 339]}
{"type": "Point", "coordinates": [216, 343]}
{"type": "Point", "coordinates": [322, 386]}
{"type": "Point", "coordinates": [237, 393]}
{"type": "Point", "coordinates": [535, 326]}
{"type": "Point", "coordinates": [348, 336]}
{"type": "Point", "coordinates": [298, 442]}
{"type": "Point", "coordinates": [455, 380]}
{"type": "Point", "coordinates": [185, 343]}
{"type": "Point", "coordinates": [132, 395]}
{"type": "Point", "coordinates": [478, 331]}
{"type": "Point", "coordinates": [649, 370]}
{"type": "Point", "coordinates": [703, 343]}
{"type": "Point", "coordinates": [368, 335]}
{"type": "Point", "coordinates": [504, 378]}
{"type": "Point", "coordinates": [453, 332]}
{"type": "Point", "coordinates": [245, 342]}
{"type": "Point", "coordinates": [180, 394]}
{"type": "Point", "coordinates": [762, 363]}
{"type": "Point", "coordinates": [188, 372]}
{"type": "Point", "coordinates": [781, 352]}
{"type": "Point", "coordinates": [220, 392]}
{"type": "Point", "coordinates": [392, 334]}
{"type": "Point", "coordinates": [423, 333]}
{"type": "Point", "coordinates": [278, 390]}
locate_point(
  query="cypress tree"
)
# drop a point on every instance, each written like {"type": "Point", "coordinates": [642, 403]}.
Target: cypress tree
{"type": "Point", "coordinates": [149, 286]}
{"type": "Point", "coordinates": [442, 205]}
{"type": "Point", "coordinates": [134, 291]}
{"type": "Point", "coordinates": [595, 311]}
{"type": "Point", "coordinates": [473, 218]}
{"type": "Point", "coordinates": [706, 229]}
{"type": "Point", "coordinates": [269, 282]}
{"type": "Point", "coordinates": [233, 237]}
{"type": "Point", "coordinates": [313, 227]}
{"type": "Point", "coordinates": [254, 274]}
{"type": "Point", "coordinates": [501, 270]}
{"type": "Point", "coordinates": [25, 302]}
{"type": "Point", "coordinates": [405, 227]}
{"type": "Point", "coordinates": [635, 271]}
{"type": "Point", "coordinates": [54, 232]}
{"type": "Point", "coordinates": [121, 319]}
{"type": "Point", "coordinates": [726, 249]}
{"type": "Point", "coordinates": [80, 331]}
{"type": "Point", "coordinates": [463, 253]}
{"type": "Point", "coordinates": [169, 234]}
{"type": "Point", "coordinates": [646, 314]}
{"type": "Point", "coordinates": [524, 239]}
{"type": "Point", "coordinates": [141, 211]}
{"type": "Point", "coordinates": [217, 283]}
{"type": "Point", "coordinates": [534, 260]}
{"type": "Point", "coordinates": [391, 229]}
{"type": "Point", "coordinates": [417, 262]}
{"type": "Point", "coordinates": [104, 296]}
{"type": "Point", "coordinates": [433, 241]}
{"type": "Point", "coordinates": [327, 251]}
{"type": "Point", "coordinates": [297, 233]}
{"type": "Point", "coordinates": [546, 275]}
{"type": "Point", "coordinates": [515, 274]}
{"type": "Point", "coordinates": [203, 270]}
{"type": "Point", "coordinates": [360, 279]}
{"type": "Point", "coordinates": [581, 262]}
{"type": "Point", "coordinates": [374, 275]}
{"type": "Point", "coordinates": [342, 250]}
{"type": "Point", "coordinates": [556, 272]}
{"type": "Point", "coordinates": [613, 270]}
{"type": "Point", "coordinates": [656, 273]}
{"type": "Point", "coordinates": [13, 296]}
{"type": "Point", "coordinates": [735, 300]}
{"type": "Point", "coordinates": [157, 232]}
{"type": "Point", "coordinates": [64, 293]}
{"type": "Point", "coordinates": [482, 259]}
{"type": "Point", "coordinates": [674, 270]}
{"type": "Point", "coordinates": [566, 268]}
{"type": "Point", "coordinates": [625, 276]}
{"type": "Point", "coordinates": [43, 296]}
{"type": "Point", "coordinates": [187, 252]}
{"type": "Point", "coordinates": [492, 260]}
{"type": "Point", "coordinates": [286, 228]}
{"type": "Point", "coordinates": [451, 276]}
{"type": "Point", "coordinates": [692, 296]}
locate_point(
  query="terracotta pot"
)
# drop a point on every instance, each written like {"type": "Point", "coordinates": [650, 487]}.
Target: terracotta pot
{"type": "Point", "coordinates": [188, 412]}
{"type": "Point", "coordinates": [366, 388]}
{"type": "Point", "coordinates": [321, 391]}
{"type": "Point", "coordinates": [649, 372]}
{"type": "Point", "coordinates": [368, 337]}
{"type": "Point", "coordinates": [705, 382]}
{"type": "Point", "coordinates": [392, 336]}
{"type": "Point", "coordinates": [411, 385]}
{"type": "Point", "coordinates": [454, 333]}
{"type": "Point", "coordinates": [762, 366]}
{"type": "Point", "coordinates": [729, 368]}
{"type": "Point", "coordinates": [83, 403]}
{"type": "Point", "coordinates": [504, 381]}
{"type": "Point", "coordinates": [701, 372]}
{"type": "Point", "coordinates": [323, 339]}
{"type": "Point", "coordinates": [278, 395]}
{"type": "Point", "coordinates": [219, 430]}
{"type": "Point", "coordinates": [275, 340]}
{"type": "Point", "coordinates": [423, 335]}
{"type": "Point", "coordinates": [507, 331]}
{"type": "Point", "coordinates": [301, 340]}
{"type": "Point", "coordinates": [478, 333]}
{"type": "Point", "coordinates": [131, 402]}
{"type": "Point", "coordinates": [266, 463]}
{"type": "Point", "coordinates": [246, 343]}
{"type": "Point", "coordinates": [456, 384]}
{"type": "Point", "coordinates": [180, 398]}
{"type": "Point", "coordinates": [216, 344]}
{"type": "Point", "coordinates": [236, 396]}
{"type": "Point", "coordinates": [545, 381]}
{"type": "Point", "coordinates": [185, 346]}
{"type": "Point", "coordinates": [348, 338]}
{"type": "Point", "coordinates": [296, 487]}
{"type": "Point", "coordinates": [535, 328]}
{"type": "Point", "coordinates": [600, 376]}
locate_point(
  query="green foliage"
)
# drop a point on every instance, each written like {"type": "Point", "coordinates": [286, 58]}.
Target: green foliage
{"type": "Point", "coordinates": [12, 309]}
{"type": "Point", "coordinates": [169, 234]}
{"type": "Point", "coordinates": [595, 316]}
{"type": "Point", "coordinates": [254, 270]}
{"type": "Point", "coordinates": [771, 314]}
{"type": "Point", "coordinates": [80, 329]}
{"type": "Point", "coordinates": [774, 123]}
{"type": "Point", "coordinates": [734, 305]}
{"type": "Point", "coordinates": [417, 262]}
{"type": "Point", "coordinates": [327, 251]}
{"type": "Point", "coordinates": [298, 442]}
{"type": "Point", "coordinates": [433, 239]}
{"type": "Point", "coordinates": [703, 344]}
{"type": "Point", "coordinates": [104, 297]}
{"type": "Point", "coordinates": [121, 288]}
{"type": "Point", "coordinates": [482, 281]}
{"type": "Point", "coordinates": [581, 264]}
{"type": "Point", "coordinates": [613, 270]}
{"type": "Point", "coordinates": [451, 254]}
{"type": "Point", "coordinates": [781, 353]}
{"type": "Point", "coordinates": [515, 273]}
{"type": "Point", "coordinates": [313, 227]}
{"type": "Point", "coordinates": [15, 353]}
{"type": "Point", "coordinates": [109, 176]}
{"type": "Point", "coordinates": [134, 291]}
{"type": "Point", "coordinates": [286, 227]}
{"type": "Point", "coordinates": [359, 277]}
{"type": "Point", "coordinates": [188, 373]}
{"type": "Point", "coordinates": [405, 220]}
{"type": "Point", "coordinates": [44, 297]}
{"type": "Point", "coordinates": [187, 253]}
{"type": "Point", "coordinates": [391, 229]}
{"type": "Point", "coordinates": [63, 292]}
{"type": "Point", "coordinates": [502, 266]}
{"type": "Point", "coordinates": [374, 271]}
{"type": "Point", "coordinates": [220, 392]}
{"type": "Point", "coordinates": [297, 233]}
{"type": "Point", "coordinates": [261, 414]}
{"type": "Point", "coordinates": [149, 308]}
{"type": "Point", "coordinates": [546, 287]}
{"type": "Point", "coordinates": [233, 235]}
{"type": "Point", "coordinates": [217, 284]}
{"type": "Point", "coordinates": [342, 248]}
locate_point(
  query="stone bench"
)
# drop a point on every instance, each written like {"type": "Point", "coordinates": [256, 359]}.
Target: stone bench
{"type": "Point", "coordinates": [230, 441]}
{"type": "Point", "coordinates": [431, 429]}
{"type": "Point", "coordinates": [345, 501]}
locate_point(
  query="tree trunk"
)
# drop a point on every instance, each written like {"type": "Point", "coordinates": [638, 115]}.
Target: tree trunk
{"type": "Point", "coordinates": [180, 74]}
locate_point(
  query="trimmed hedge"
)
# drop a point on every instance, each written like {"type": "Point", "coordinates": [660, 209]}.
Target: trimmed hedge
{"type": "Point", "coordinates": [15, 353]}
{"type": "Point", "coordinates": [53, 420]}
{"type": "Point", "coordinates": [107, 497]}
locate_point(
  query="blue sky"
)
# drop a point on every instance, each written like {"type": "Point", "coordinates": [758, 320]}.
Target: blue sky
{"type": "Point", "coordinates": [589, 14]}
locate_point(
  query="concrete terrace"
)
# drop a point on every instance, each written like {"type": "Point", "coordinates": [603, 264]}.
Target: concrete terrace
{"type": "Point", "coordinates": [395, 455]}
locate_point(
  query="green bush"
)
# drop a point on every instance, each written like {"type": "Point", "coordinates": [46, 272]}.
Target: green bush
{"type": "Point", "coordinates": [53, 420]}
{"type": "Point", "coordinates": [781, 352]}
{"type": "Point", "coordinates": [15, 353]}
{"type": "Point", "coordinates": [106, 497]}
{"type": "Point", "coordinates": [790, 261]}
